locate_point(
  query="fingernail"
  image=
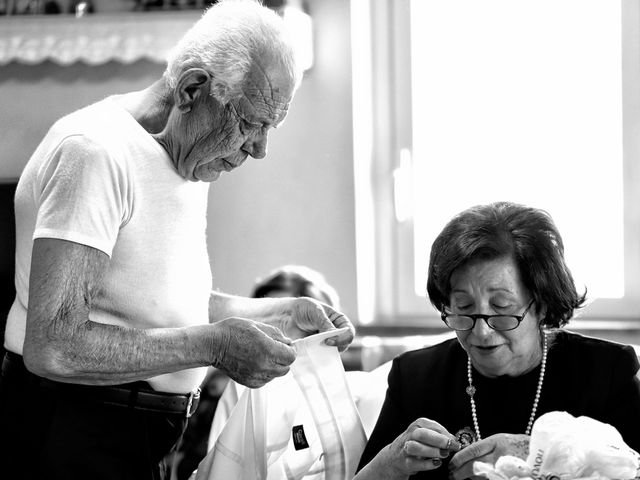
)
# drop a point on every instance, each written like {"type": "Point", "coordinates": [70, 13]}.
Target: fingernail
{"type": "Point", "coordinates": [437, 462]}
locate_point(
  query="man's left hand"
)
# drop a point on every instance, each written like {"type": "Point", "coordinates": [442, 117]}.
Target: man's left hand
{"type": "Point", "coordinates": [305, 316]}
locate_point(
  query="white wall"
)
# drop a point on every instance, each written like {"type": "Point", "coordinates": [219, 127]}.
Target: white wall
{"type": "Point", "coordinates": [295, 206]}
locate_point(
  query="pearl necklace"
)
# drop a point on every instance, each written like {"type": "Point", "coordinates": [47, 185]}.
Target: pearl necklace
{"type": "Point", "coordinates": [471, 390]}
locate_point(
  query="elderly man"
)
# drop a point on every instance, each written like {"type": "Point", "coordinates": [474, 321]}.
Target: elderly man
{"type": "Point", "coordinates": [114, 321]}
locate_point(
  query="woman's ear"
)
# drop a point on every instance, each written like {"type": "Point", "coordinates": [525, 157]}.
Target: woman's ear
{"type": "Point", "coordinates": [541, 312]}
{"type": "Point", "coordinates": [192, 85]}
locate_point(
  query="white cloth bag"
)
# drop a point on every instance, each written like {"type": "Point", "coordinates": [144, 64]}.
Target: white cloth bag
{"type": "Point", "coordinates": [312, 403]}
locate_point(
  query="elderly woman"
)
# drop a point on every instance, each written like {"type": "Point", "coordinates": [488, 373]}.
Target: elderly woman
{"type": "Point", "coordinates": [498, 276]}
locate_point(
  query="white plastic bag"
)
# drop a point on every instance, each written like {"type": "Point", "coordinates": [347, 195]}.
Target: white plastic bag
{"type": "Point", "coordinates": [567, 448]}
{"type": "Point", "coordinates": [579, 447]}
{"type": "Point", "coordinates": [301, 426]}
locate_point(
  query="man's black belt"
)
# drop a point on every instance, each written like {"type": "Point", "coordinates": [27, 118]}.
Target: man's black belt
{"type": "Point", "coordinates": [136, 395]}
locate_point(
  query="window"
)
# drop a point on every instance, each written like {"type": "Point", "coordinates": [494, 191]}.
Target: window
{"type": "Point", "coordinates": [470, 102]}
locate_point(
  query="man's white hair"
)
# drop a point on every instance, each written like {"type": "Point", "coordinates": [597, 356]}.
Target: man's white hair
{"type": "Point", "coordinates": [227, 40]}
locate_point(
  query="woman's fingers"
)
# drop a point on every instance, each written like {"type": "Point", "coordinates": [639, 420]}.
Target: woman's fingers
{"type": "Point", "coordinates": [422, 451]}
{"type": "Point", "coordinates": [432, 434]}
{"type": "Point", "coordinates": [419, 464]}
{"type": "Point", "coordinates": [426, 442]}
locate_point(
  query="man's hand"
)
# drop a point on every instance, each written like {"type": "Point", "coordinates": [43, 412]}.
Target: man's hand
{"type": "Point", "coordinates": [305, 316]}
{"type": "Point", "coordinates": [251, 353]}
{"type": "Point", "coordinates": [487, 450]}
{"type": "Point", "coordinates": [296, 317]}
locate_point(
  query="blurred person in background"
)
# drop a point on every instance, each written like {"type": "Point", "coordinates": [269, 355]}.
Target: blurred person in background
{"type": "Point", "coordinates": [296, 281]}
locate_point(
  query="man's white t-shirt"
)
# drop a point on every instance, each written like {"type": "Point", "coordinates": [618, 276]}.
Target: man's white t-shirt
{"type": "Point", "coordinates": [99, 179]}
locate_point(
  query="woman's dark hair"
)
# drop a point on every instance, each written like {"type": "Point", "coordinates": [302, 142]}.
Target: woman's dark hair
{"type": "Point", "coordinates": [297, 281]}
{"type": "Point", "coordinates": [528, 235]}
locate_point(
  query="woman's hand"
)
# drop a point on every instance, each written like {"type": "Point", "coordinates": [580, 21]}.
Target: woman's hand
{"type": "Point", "coordinates": [421, 447]}
{"type": "Point", "coordinates": [487, 450]}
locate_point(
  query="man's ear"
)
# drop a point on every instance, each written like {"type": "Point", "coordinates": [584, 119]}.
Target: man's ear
{"type": "Point", "coordinates": [192, 85]}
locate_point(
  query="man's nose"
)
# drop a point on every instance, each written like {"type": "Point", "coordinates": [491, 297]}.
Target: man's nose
{"type": "Point", "coordinates": [256, 146]}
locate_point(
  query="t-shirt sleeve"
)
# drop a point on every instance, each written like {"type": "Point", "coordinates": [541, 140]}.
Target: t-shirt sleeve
{"type": "Point", "coordinates": [83, 195]}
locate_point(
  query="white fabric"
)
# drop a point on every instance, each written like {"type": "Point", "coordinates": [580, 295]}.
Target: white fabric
{"type": "Point", "coordinates": [99, 179]}
{"type": "Point", "coordinates": [228, 401]}
{"type": "Point", "coordinates": [368, 390]}
{"type": "Point", "coordinates": [256, 442]}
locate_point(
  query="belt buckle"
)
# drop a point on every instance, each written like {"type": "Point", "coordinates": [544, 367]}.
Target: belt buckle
{"type": "Point", "coordinates": [194, 395]}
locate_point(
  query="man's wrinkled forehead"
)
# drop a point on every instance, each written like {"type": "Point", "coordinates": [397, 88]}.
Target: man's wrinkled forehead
{"type": "Point", "coordinates": [269, 90]}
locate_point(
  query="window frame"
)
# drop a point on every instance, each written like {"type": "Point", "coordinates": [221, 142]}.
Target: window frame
{"type": "Point", "coordinates": [385, 246]}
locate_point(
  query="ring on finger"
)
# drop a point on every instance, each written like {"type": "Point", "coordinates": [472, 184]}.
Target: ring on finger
{"type": "Point", "coordinates": [448, 447]}
{"type": "Point", "coordinates": [405, 447]}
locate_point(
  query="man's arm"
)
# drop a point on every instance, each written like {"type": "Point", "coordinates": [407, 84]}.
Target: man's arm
{"type": "Point", "coordinates": [295, 317]}
{"type": "Point", "coordinates": [61, 343]}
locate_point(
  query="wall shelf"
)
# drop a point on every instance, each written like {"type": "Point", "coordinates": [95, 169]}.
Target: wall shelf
{"type": "Point", "coordinates": [92, 39]}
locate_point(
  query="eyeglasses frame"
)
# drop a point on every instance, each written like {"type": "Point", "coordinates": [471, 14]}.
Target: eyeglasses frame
{"type": "Point", "coordinates": [476, 316]}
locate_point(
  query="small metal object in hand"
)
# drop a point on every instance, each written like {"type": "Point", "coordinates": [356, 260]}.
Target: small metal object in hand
{"type": "Point", "coordinates": [465, 437]}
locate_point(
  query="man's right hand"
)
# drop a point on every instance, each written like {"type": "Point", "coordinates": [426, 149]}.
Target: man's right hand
{"type": "Point", "coordinates": [251, 353]}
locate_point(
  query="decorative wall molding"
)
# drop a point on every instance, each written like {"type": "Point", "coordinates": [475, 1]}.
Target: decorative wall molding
{"type": "Point", "coordinates": [92, 39]}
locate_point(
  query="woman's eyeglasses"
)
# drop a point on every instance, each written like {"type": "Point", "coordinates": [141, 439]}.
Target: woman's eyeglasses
{"type": "Point", "coordinates": [501, 323]}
